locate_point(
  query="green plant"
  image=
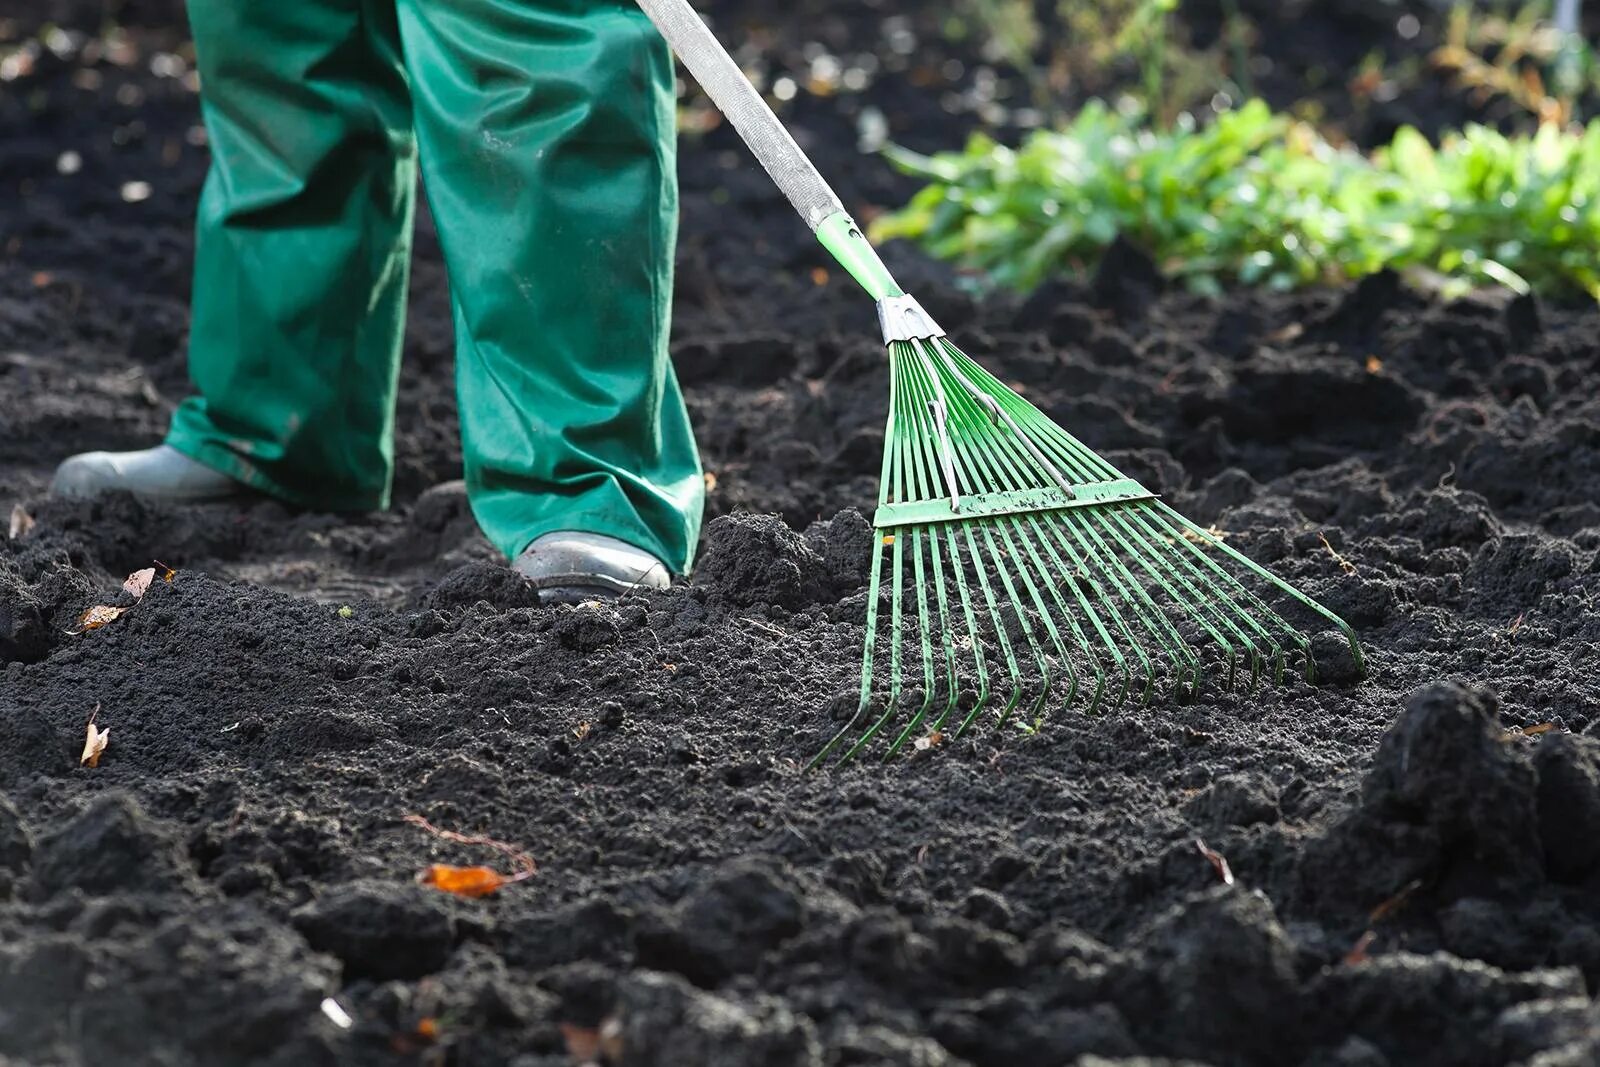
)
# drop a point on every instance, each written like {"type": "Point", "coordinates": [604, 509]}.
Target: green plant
{"type": "Point", "coordinates": [1257, 198]}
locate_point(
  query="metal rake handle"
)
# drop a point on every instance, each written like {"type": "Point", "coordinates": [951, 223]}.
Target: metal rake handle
{"type": "Point", "coordinates": [797, 177]}
{"type": "Point", "coordinates": [736, 98]}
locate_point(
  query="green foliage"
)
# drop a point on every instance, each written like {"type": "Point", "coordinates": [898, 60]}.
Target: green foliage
{"type": "Point", "coordinates": [1259, 199]}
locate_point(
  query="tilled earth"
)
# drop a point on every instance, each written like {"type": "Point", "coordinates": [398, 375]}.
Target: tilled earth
{"type": "Point", "coordinates": [1414, 858]}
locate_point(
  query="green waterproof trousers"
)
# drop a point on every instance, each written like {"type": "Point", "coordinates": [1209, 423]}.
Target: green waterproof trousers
{"type": "Point", "coordinates": [545, 130]}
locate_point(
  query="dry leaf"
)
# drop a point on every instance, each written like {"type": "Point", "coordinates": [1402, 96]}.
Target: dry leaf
{"type": "Point", "coordinates": [472, 881]}
{"type": "Point", "coordinates": [1394, 903]}
{"type": "Point", "coordinates": [21, 522]}
{"type": "Point", "coordinates": [1358, 954]}
{"type": "Point", "coordinates": [583, 1044]}
{"type": "Point", "coordinates": [463, 881]}
{"type": "Point", "coordinates": [590, 1047]}
{"type": "Point", "coordinates": [710, 478]}
{"type": "Point", "coordinates": [581, 730]}
{"type": "Point", "coordinates": [819, 276]}
{"type": "Point", "coordinates": [139, 581]}
{"type": "Point", "coordinates": [1217, 861]}
{"type": "Point", "coordinates": [94, 742]}
{"type": "Point", "coordinates": [98, 616]}
{"type": "Point", "coordinates": [1542, 728]}
{"type": "Point", "coordinates": [922, 744]}
{"type": "Point", "coordinates": [1374, 365]}
{"type": "Point", "coordinates": [166, 572]}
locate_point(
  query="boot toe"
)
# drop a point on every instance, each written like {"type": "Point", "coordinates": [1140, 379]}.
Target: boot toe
{"type": "Point", "coordinates": [571, 566]}
{"type": "Point", "coordinates": [83, 475]}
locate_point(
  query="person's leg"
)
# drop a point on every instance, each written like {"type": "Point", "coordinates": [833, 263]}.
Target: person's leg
{"type": "Point", "coordinates": [302, 248]}
{"type": "Point", "coordinates": [546, 130]}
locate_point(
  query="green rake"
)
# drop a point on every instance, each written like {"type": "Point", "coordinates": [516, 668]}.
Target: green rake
{"type": "Point", "coordinates": [1020, 565]}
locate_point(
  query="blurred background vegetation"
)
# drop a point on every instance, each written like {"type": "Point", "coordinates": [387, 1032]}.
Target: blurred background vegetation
{"type": "Point", "coordinates": [1178, 125]}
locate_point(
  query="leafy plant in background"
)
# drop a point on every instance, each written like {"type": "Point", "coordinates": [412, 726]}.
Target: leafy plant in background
{"type": "Point", "coordinates": [1260, 199]}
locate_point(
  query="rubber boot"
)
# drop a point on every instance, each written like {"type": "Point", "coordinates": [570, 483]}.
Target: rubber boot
{"type": "Point", "coordinates": [568, 566]}
{"type": "Point", "coordinates": [160, 473]}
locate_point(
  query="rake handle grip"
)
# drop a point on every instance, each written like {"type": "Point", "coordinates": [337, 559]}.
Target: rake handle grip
{"type": "Point", "coordinates": [736, 98]}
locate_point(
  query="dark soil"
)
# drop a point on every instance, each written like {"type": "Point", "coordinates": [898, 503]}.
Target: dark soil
{"type": "Point", "coordinates": [1415, 857]}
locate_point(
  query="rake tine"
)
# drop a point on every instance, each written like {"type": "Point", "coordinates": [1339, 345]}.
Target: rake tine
{"type": "Point", "coordinates": [980, 661]}
{"type": "Point", "coordinates": [1283, 587]}
{"type": "Point", "coordinates": [1001, 637]}
{"type": "Point", "coordinates": [1154, 619]}
{"type": "Point", "coordinates": [1075, 571]}
{"type": "Point", "coordinates": [1190, 600]}
{"type": "Point", "coordinates": [1225, 596]}
{"type": "Point", "coordinates": [998, 562]}
{"type": "Point", "coordinates": [1030, 544]}
{"type": "Point", "coordinates": [922, 478]}
{"type": "Point", "coordinates": [1005, 528]}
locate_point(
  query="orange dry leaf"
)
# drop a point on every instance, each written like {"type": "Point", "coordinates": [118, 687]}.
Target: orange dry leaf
{"type": "Point", "coordinates": [819, 276]}
{"type": "Point", "coordinates": [94, 743]}
{"type": "Point", "coordinates": [1394, 903]}
{"type": "Point", "coordinates": [1358, 954]}
{"type": "Point", "coordinates": [922, 744]}
{"type": "Point", "coordinates": [1542, 728]}
{"type": "Point", "coordinates": [139, 581]}
{"type": "Point", "coordinates": [1374, 365]}
{"type": "Point", "coordinates": [166, 572]}
{"type": "Point", "coordinates": [472, 881]}
{"type": "Point", "coordinates": [463, 881]}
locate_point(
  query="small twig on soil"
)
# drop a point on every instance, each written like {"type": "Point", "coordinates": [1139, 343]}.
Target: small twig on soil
{"type": "Point", "coordinates": [1344, 564]}
{"type": "Point", "coordinates": [526, 868]}
{"type": "Point", "coordinates": [766, 627]}
{"type": "Point", "coordinates": [1218, 862]}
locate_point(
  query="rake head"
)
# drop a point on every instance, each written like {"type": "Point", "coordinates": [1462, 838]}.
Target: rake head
{"type": "Point", "coordinates": [1017, 568]}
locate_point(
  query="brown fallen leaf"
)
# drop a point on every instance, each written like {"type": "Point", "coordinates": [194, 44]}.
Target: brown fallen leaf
{"type": "Point", "coordinates": [139, 581]}
{"type": "Point", "coordinates": [21, 523]}
{"type": "Point", "coordinates": [1358, 954]}
{"type": "Point", "coordinates": [94, 742]}
{"type": "Point", "coordinates": [1374, 365]}
{"type": "Point", "coordinates": [166, 572]}
{"type": "Point", "coordinates": [933, 740]}
{"type": "Point", "coordinates": [1394, 903]}
{"type": "Point", "coordinates": [96, 617]}
{"type": "Point", "coordinates": [582, 730]}
{"type": "Point", "coordinates": [591, 1047]}
{"type": "Point", "coordinates": [1218, 862]}
{"type": "Point", "coordinates": [1542, 728]}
